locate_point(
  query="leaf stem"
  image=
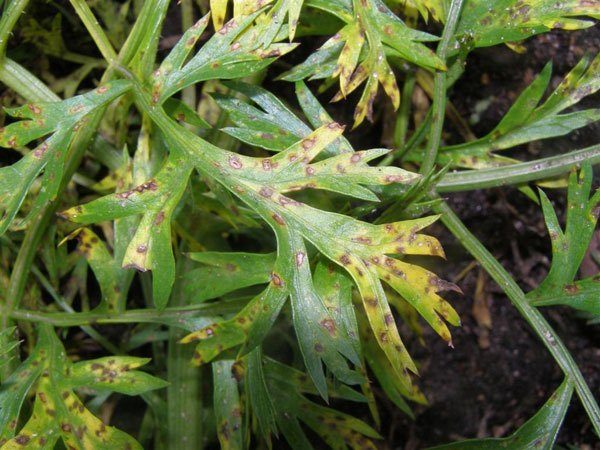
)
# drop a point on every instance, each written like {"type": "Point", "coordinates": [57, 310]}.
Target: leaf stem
{"type": "Point", "coordinates": [531, 314]}
{"type": "Point", "coordinates": [439, 90]}
{"type": "Point", "coordinates": [96, 32]}
{"type": "Point", "coordinates": [518, 173]}
{"type": "Point", "coordinates": [149, 315]}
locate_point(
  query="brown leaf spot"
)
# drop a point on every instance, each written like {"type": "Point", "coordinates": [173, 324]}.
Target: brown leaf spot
{"type": "Point", "coordinates": [276, 279]}
{"type": "Point", "coordinates": [235, 162]}
{"type": "Point", "coordinates": [277, 218]}
{"type": "Point", "coordinates": [266, 192]}
{"type": "Point", "coordinates": [102, 89]}
{"type": "Point", "coordinates": [308, 143]}
{"type": "Point", "coordinates": [389, 319]}
{"type": "Point", "coordinates": [41, 150]}
{"type": "Point", "coordinates": [372, 302]}
{"type": "Point", "coordinates": [22, 439]}
{"type": "Point", "coordinates": [300, 257]}
{"type": "Point", "coordinates": [142, 248]}
{"type": "Point", "coordinates": [34, 109]}
{"type": "Point", "coordinates": [227, 27]}
{"type": "Point", "coordinates": [362, 240]}
{"type": "Point", "coordinates": [571, 289]}
{"type": "Point", "coordinates": [159, 218]}
{"type": "Point", "coordinates": [345, 259]}
{"type": "Point", "coordinates": [329, 325]}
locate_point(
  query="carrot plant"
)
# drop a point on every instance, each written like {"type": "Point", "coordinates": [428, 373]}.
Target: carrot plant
{"type": "Point", "coordinates": [227, 253]}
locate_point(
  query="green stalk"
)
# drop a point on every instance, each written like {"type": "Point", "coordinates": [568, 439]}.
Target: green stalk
{"type": "Point", "coordinates": [531, 314]}
{"type": "Point", "coordinates": [9, 18]}
{"type": "Point", "coordinates": [439, 90]}
{"type": "Point", "coordinates": [24, 83]}
{"type": "Point", "coordinates": [188, 95]}
{"type": "Point", "coordinates": [402, 120]}
{"type": "Point", "coordinates": [96, 32]}
{"type": "Point", "coordinates": [148, 315]}
{"type": "Point", "coordinates": [184, 394]}
{"type": "Point", "coordinates": [518, 173]}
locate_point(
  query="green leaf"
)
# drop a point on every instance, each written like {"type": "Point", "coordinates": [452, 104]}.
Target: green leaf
{"type": "Point", "coordinates": [57, 411]}
{"type": "Point", "coordinates": [437, 8]}
{"type": "Point", "coordinates": [259, 399]}
{"type": "Point", "coordinates": [228, 410]}
{"type": "Point", "coordinates": [7, 344]}
{"type": "Point", "coordinates": [528, 121]}
{"type": "Point", "coordinates": [274, 127]}
{"type": "Point", "coordinates": [276, 16]}
{"type": "Point", "coordinates": [226, 272]}
{"type": "Point", "coordinates": [569, 247]}
{"type": "Point", "coordinates": [61, 119]}
{"type": "Point", "coordinates": [539, 432]}
{"type": "Point", "coordinates": [483, 24]}
{"type": "Point", "coordinates": [337, 429]}
{"type": "Point", "coordinates": [113, 281]}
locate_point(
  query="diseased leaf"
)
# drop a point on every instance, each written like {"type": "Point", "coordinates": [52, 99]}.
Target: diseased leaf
{"type": "Point", "coordinates": [226, 272]}
{"type": "Point", "coordinates": [57, 411]}
{"type": "Point", "coordinates": [483, 23]}
{"type": "Point", "coordinates": [539, 432]}
{"type": "Point", "coordinates": [358, 53]}
{"type": "Point", "coordinates": [227, 406]}
{"type": "Point", "coordinates": [569, 247]}
{"type": "Point", "coordinates": [276, 16]}
{"type": "Point", "coordinates": [232, 52]}
{"type": "Point", "coordinates": [150, 248]}
{"type": "Point", "coordinates": [337, 429]}
{"type": "Point", "coordinates": [360, 248]}
{"type": "Point", "coordinates": [59, 119]}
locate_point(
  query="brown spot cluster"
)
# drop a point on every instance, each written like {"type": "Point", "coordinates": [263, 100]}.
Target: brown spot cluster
{"type": "Point", "coordinates": [34, 109]}
{"type": "Point", "coordinates": [150, 185]}
{"type": "Point", "coordinates": [40, 150]}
